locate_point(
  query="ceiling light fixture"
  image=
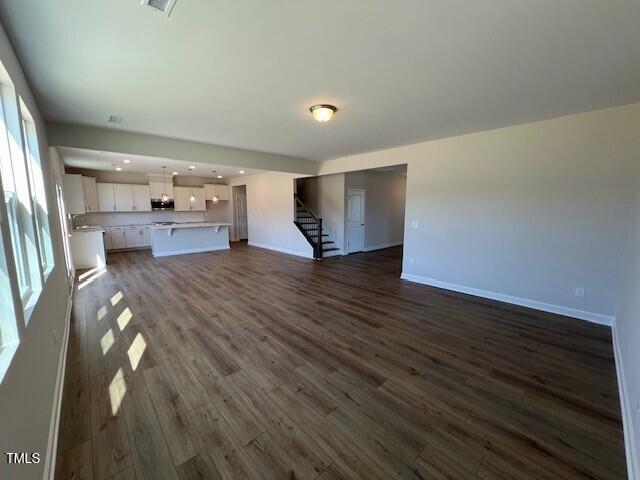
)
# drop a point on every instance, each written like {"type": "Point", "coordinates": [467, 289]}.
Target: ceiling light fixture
{"type": "Point", "coordinates": [215, 195]}
{"type": "Point", "coordinates": [219, 176]}
{"type": "Point", "coordinates": [118, 169]}
{"type": "Point", "coordinates": [174, 173]}
{"type": "Point", "coordinates": [241, 171]}
{"type": "Point", "coordinates": [323, 113]}
{"type": "Point", "coordinates": [126, 160]}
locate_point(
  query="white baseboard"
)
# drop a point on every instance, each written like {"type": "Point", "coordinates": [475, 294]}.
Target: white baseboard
{"type": "Point", "coordinates": [52, 442]}
{"type": "Point", "coordinates": [632, 449]}
{"type": "Point", "coordinates": [191, 250]}
{"type": "Point", "coordinates": [523, 302]}
{"type": "Point", "coordinates": [381, 246]}
{"type": "Point", "coordinates": [297, 253]}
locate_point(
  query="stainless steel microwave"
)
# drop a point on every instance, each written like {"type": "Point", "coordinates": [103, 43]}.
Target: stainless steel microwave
{"type": "Point", "coordinates": [157, 205]}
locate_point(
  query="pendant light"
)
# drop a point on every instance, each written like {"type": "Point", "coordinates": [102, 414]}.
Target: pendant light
{"type": "Point", "coordinates": [164, 197]}
{"type": "Point", "coordinates": [215, 195]}
{"type": "Point", "coordinates": [192, 198]}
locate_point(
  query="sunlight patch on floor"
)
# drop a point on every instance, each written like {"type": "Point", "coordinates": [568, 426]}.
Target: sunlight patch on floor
{"type": "Point", "coordinates": [136, 350]}
{"type": "Point", "coordinates": [107, 341]}
{"type": "Point", "coordinates": [124, 318]}
{"type": "Point", "coordinates": [117, 391]}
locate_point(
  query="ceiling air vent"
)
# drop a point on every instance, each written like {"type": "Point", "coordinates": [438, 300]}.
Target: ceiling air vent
{"type": "Point", "coordinates": [160, 6]}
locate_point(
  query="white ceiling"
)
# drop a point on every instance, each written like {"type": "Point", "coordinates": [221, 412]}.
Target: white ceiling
{"type": "Point", "coordinates": [244, 73]}
{"type": "Point", "coordinates": [107, 161]}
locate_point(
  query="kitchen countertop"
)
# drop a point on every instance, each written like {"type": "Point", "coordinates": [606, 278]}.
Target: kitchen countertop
{"type": "Point", "coordinates": [87, 229]}
{"type": "Point", "coordinates": [189, 225]}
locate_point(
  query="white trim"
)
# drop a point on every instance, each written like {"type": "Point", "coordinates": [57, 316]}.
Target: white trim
{"type": "Point", "coordinates": [381, 246]}
{"type": "Point", "coordinates": [523, 302]}
{"type": "Point", "coordinates": [191, 250]}
{"type": "Point", "coordinates": [630, 445]}
{"type": "Point", "coordinates": [52, 442]}
{"type": "Point", "coordinates": [297, 253]}
{"type": "Point", "coordinates": [364, 219]}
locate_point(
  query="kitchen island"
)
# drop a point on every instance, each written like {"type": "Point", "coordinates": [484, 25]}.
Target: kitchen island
{"type": "Point", "coordinates": [180, 238]}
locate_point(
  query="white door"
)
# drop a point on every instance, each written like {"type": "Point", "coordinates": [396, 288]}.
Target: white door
{"type": "Point", "coordinates": [124, 197]}
{"type": "Point", "coordinates": [355, 220]}
{"type": "Point", "coordinates": [90, 194]}
{"type": "Point", "coordinates": [106, 199]}
{"type": "Point", "coordinates": [241, 214]}
{"type": "Point", "coordinates": [117, 238]}
{"type": "Point", "coordinates": [141, 198]}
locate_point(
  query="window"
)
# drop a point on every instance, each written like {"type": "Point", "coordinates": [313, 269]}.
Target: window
{"type": "Point", "coordinates": [18, 199]}
{"type": "Point", "coordinates": [8, 331]}
{"type": "Point", "coordinates": [38, 196]}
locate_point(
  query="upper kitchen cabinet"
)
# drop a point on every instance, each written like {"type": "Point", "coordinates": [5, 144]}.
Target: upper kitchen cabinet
{"type": "Point", "coordinates": [183, 201]}
{"type": "Point", "coordinates": [90, 194]}
{"type": "Point", "coordinates": [122, 197]}
{"type": "Point", "coordinates": [141, 198]}
{"type": "Point", "coordinates": [80, 195]}
{"type": "Point", "coordinates": [158, 188]}
{"type": "Point", "coordinates": [216, 190]}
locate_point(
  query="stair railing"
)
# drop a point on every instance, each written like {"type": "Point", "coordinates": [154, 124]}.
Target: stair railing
{"type": "Point", "coordinates": [315, 237]}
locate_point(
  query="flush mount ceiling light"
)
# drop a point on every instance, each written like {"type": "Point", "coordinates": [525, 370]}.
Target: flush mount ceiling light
{"type": "Point", "coordinates": [241, 171]}
{"type": "Point", "coordinates": [174, 173]}
{"type": "Point", "coordinates": [126, 160]}
{"type": "Point", "coordinates": [118, 169]}
{"type": "Point", "coordinates": [323, 113]}
{"type": "Point", "coordinates": [219, 176]}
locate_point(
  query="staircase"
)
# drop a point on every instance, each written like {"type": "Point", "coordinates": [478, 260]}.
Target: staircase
{"type": "Point", "coordinates": [311, 227]}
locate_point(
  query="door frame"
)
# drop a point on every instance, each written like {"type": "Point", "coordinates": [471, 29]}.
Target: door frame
{"type": "Point", "coordinates": [364, 218]}
{"type": "Point", "coordinates": [235, 191]}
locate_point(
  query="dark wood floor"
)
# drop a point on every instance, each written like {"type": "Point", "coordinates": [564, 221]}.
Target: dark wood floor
{"type": "Point", "coordinates": [254, 364]}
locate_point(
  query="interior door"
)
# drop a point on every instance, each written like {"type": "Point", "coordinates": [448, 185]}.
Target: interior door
{"type": "Point", "coordinates": [355, 220]}
{"type": "Point", "coordinates": [241, 215]}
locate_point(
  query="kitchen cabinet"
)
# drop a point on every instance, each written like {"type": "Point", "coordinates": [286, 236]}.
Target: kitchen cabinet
{"type": "Point", "coordinates": [141, 198]}
{"type": "Point", "coordinates": [158, 188]}
{"type": "Point", "coordinates": [107, 238]}
{"type": "Point", "coordinates": [73, 191]}
{"type": "Point", "coordinates": [133, 237]}
{"type": "Point", "coordinates": [219, 190]}
{"type": "Point", "coordinates": [80, 195]}
{"type": "Point", "coordinates": [106, 198]}
{"type": "Point", "coordinates": [123, 197]}
{"type": "Point", "coordinates": [118, 238]}
{"type": "Point", "coordinates": [182, 197]}
{"type": "Point", "coordinates": [90, 194]}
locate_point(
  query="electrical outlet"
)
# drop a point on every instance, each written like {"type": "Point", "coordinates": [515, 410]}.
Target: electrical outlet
{"type": "Point", "coordinates": [412, 261]}
{"type": "Point", "coordinates": [579, 292]}
{"type": "Point", "coordinates": [414, 224]}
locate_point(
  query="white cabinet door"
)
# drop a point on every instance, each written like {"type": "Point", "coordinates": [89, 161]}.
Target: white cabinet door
{"type": "Point", "coordinates": [223, 192]}
{"type": "Point", "coordinates": [117, 238]}
{"type": "Point", "coordinates": [181, 199]}
{"type": "Point", "coordinates": [90, 194]}
{"type": "Point", "coordinates": [107, 238]}
{"type": "Point", "coordinates": [141, 198]}
{"type": "Point", "coordinates": [209, 191]}
{"type": "Point", "coordinates": [124, 197]}
{"type": "Point", "coordinates": [158, 188]}
{"type": "Point", "coordinates": [145, 235]}
{"type": "Point", "coordinates": [73, 192]}
{"type": "Point", "coordinates": [106, 198]}
{"type": "Point", "coordinates": [199, 204]}
{"type": "Point", "coordinates": [133, 237]}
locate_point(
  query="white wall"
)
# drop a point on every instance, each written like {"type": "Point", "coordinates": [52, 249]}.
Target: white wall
{"type": "Point", "coordinates": [27, 391]}
{"type": "Point", "coordinates": [627, 338]}
{"type": "Point", "coordinates": [384, 206]}
{"type": "Point", "coordinates": [270, 213]}
{"type": "Point", "coordinates": [530, 211]}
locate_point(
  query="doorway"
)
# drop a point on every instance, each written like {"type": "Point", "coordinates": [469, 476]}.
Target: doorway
{"type": "Point", "coordinates": [355, 219]}
{"type": "Point", "coordinates": [241, 228]}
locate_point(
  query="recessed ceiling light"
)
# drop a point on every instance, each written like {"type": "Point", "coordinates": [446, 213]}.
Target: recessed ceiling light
{"type": "Point", "coordinates": [219, 176]}
{"type": "Point", "coordinates": [192, 167]}
{"type": "Point", "coordinates": [323, 113]}
{"type": "Point", "coordinates": [174, 173]}
{"type": "Point", "coordinates": [241, 171]}
{"type": "Point", "coordinates": [126, 160]}
{"type": "Point", "coordinates": [118, 169]}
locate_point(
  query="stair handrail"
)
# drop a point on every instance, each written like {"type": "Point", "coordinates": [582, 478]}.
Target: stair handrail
{"type": "Point", "coordinates": [303, 205]}
{"type": "Point", "coordinates": [317, 248]}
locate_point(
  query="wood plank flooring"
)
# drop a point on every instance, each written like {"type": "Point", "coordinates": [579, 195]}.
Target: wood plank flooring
{"type": "Point", "coordinates": [254, 364]}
